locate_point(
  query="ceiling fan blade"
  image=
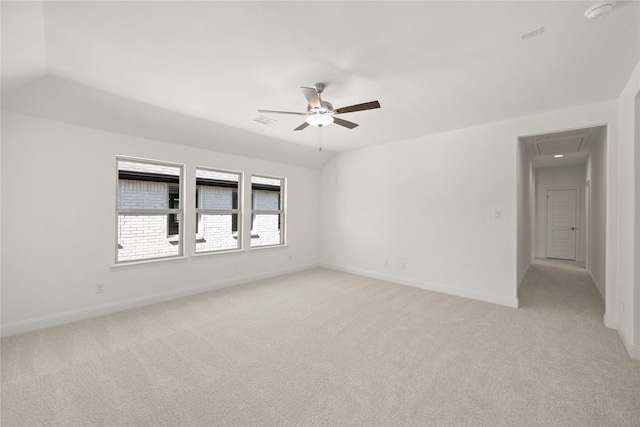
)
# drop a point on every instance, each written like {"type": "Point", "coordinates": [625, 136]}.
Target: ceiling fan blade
{"type": "Point", "coordinates": [344, 123]}
{"type": "Point", "coordinates": [359, 107]}
{"type": "Point", "coordinates": [312, 96]}
{"type": "Point", "coordinates": [281, 112]}
{"type": "Point", "coordinates": [302, 126]}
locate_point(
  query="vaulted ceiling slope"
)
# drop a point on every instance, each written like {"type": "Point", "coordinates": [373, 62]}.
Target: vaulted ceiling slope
{"type": "Point", "coordinates": [434, 66]}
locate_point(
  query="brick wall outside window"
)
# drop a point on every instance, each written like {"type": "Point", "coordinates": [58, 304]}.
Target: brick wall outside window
{"type": "Point", "coordinates": [143, 236]}
{"type": "Point", "coordinates": [266, 226]}
{"type": "Point", "coordinates": [215, 231]}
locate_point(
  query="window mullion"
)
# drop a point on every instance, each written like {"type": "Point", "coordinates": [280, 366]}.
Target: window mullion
{"type": "Point", "coordinates": [267, 212]}
{"type": "Point", "coordinates": [218, 211]}
{"type": "Point", "coordinates": [150, 211]}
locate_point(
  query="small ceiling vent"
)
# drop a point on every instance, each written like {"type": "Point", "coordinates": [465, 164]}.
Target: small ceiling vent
{"type": "Point", "coordinates": [533, 33]}
{"type": "Point", "coordinates": [264, 120]}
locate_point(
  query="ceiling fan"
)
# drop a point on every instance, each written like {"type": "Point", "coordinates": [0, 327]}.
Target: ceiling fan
{"type": "Point", "coordinates": [321, 113]}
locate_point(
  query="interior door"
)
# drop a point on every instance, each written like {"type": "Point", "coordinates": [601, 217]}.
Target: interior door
{"type": "Point", "coordinates": [561, 224]}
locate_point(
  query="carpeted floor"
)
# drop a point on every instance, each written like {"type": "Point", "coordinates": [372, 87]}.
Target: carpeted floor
{"type": "Point", "coordinates": [327, 348]}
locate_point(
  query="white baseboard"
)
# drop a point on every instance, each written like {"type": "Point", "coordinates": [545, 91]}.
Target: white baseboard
{"type": "Point", "coordinates": [595, 282]}
{"type": "Point", "coordinates": [609, 322]}
{"type": "Point", "coordinates": [633, 350]}
{"type": "Point", "coordinates": [509, 302]}
{"type": "Point", "coordinates": [521, 279]}
{"type": "Point", "coordinates": [27, 325]}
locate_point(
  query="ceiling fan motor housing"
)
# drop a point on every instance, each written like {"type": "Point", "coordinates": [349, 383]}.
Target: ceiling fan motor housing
{"type": "Point", "coordinates": [325, 106]}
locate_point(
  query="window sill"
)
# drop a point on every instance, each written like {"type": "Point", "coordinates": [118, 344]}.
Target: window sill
{"type": "Point", "coordinates": [257, 248]}
{"type": "Point", "coordinates": [148, 261]}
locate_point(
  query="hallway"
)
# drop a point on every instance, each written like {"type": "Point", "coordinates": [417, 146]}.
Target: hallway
{"type": "Point", "coordinates": [560, 295]}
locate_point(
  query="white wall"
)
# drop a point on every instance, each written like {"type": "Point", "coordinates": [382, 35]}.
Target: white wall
{"type": "Point", "coordinates": [66, 175]}
{"type": "Point", "coordinates": [637, 215]}
{"type": "Point", "coordinates": [430, 202]}
{"type": "Point", "coordinates": [628, 321]}
{"type": "Point", "coordinates": [526, 203]}
{"type": "Point", "coordinates": [550, 178]}
{"type": "Point", "coordinates": [596, 200]}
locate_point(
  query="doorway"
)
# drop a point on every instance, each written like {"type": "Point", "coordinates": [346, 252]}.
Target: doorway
{"type": "Point", "coordinates": [548, 164]}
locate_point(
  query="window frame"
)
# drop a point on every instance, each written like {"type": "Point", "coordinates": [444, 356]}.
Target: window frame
{"type": "Point", "coordinates": [179, 212]}
{"type": "Point", "coordinates": [282, 212]}
{"type": "Point", "coordinates": [239, 211]}
{"type": "Point", "coordinates": [173, 221]}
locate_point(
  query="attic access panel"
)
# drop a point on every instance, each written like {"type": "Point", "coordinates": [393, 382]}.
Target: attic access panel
{"type": "Point", "coordinates": [560, 147]}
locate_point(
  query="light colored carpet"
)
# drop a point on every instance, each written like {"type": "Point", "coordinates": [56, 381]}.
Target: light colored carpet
{"type": "Point", "coordinates": [576, 264]}
{"type": "Point", "coordinates": [327, 348]}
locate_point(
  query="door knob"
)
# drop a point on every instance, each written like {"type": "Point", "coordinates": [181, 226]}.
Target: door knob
{"type": "Point", "coordinates": [572, 228]}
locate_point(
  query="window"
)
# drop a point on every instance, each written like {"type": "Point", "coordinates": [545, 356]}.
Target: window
{"type": "Point", "coordinates": [218, 210]}
{"type": "Point", "coordinates": [148, 210]}
{"type": "Point", "coordinates": [267, 211]}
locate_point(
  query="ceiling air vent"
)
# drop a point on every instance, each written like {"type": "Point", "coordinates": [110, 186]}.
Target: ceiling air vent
{"type": "Point", "coordinates": [264, 120]}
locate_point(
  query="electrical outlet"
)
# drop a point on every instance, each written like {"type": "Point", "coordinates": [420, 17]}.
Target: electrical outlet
{"type": "Point", "coordinates": [403, 266]}
{"type": "Point", "coordinates": [99, 288]}
{"type": "Point", "coordinates": [386, 263]}
{"type": "Point", "coordinates": [497, 215]}
{"type": "Point", "coordinates": [290, 257]}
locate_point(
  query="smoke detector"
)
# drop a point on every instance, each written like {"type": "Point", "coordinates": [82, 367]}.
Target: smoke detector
{"type": "Point", "coordinates": [600, 10]}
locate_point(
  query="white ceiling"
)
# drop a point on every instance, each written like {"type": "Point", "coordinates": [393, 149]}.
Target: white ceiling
{"type": "Point", "coordinates": [434, 66]}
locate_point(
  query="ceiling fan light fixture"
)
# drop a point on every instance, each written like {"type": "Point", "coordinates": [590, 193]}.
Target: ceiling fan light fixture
{"type": "Point", "coordinates": [319, 120]}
